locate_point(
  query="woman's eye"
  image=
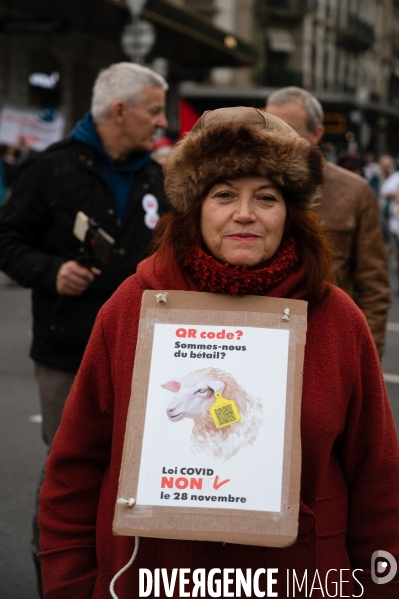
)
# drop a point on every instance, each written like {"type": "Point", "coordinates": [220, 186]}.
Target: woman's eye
{"type": "Point", "coordinates": [267, 199]}
{"type": "Point", "coordinates": [223, 194]}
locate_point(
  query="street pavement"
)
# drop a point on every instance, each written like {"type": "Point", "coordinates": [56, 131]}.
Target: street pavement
{"type": "Point", "coordinates": [22, 451]}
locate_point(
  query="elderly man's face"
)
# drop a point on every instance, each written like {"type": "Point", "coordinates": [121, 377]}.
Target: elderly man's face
{"type": "Point", "coordinates": [386, 164]}
{"type": "Point", "coordinates": [295, 116]}
{"type": "Point", "coordinates": [142, 121]}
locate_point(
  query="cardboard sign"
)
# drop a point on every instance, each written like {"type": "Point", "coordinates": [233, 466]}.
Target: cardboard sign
{"type": "Point", "coordinates": [212, 447]}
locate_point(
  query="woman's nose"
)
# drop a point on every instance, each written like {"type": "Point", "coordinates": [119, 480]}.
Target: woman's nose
{"type": "Point", "coordinates": [244, 211]}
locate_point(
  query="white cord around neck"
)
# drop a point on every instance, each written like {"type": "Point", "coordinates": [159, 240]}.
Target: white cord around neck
{"type": "Point", "coordinates": [115, 578]}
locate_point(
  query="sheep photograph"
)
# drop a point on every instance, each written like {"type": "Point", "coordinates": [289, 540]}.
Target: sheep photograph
{"type": "Point", "coordinates": [193, 397]}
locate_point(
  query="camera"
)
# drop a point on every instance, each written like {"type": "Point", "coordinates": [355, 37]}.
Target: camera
{"type": "Point", "coordinates": [97, 244]}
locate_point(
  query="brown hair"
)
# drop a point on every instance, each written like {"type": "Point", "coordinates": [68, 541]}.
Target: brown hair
{"type": "Point", "coordinates": [314, 250]}
{"type": "Point", "coordinates": [178, 232]}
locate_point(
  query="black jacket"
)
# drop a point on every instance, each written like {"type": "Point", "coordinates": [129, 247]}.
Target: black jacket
{"type": "Point", "coordinates": [36, 239]}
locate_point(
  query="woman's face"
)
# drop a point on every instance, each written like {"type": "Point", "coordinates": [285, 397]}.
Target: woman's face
{"type": "Point", "coordinates": [242, 221]}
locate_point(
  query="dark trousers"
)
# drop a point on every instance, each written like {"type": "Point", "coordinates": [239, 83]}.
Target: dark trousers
{"type": "Point", "coordinates": [54, 386]}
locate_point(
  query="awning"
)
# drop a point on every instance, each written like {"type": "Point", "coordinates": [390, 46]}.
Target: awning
{"type": "Point", "coordinates": [280, 40]}
{"type": "Point", "coordinates": [185, 36]}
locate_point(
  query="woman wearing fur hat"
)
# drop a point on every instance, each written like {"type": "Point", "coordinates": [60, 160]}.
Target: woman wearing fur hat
{"type": "Point", "coordinates": [243, 185]}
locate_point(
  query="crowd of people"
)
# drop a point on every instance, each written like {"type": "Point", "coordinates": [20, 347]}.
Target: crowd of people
{"type": "Point", "coordinates": [244, 204]}
{"type": "Point", "coordinates": [382, 174]}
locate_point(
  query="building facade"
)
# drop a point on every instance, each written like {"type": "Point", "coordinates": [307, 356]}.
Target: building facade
{"type": "Point", "coordinates": [346, 52]}
{"type": "Point", "coordinates": [218, 53]}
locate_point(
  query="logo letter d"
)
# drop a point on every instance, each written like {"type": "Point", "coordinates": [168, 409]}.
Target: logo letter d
{"type": "Point", "coordinates": [382, 566]}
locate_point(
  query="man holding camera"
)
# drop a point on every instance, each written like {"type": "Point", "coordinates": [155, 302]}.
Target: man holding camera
{"type": "Point", "coordinates": [104, 170]}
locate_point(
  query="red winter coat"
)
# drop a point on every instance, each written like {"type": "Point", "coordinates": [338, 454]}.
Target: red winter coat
{"type": "Point", "coordinates": [350, 461]}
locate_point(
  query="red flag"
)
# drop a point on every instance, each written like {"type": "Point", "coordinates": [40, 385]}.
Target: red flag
{"type": "Point", "coordinates": [188, 116]}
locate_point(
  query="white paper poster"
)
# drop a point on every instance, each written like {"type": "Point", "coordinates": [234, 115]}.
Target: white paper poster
{"type": "Point", "coordinates": [39, 128]}
{"type": "Point", "coordinates": [233, 459]}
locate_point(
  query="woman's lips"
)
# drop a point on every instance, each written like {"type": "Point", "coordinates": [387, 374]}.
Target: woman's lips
{"type": "Point", "coordinates": [244, 237]}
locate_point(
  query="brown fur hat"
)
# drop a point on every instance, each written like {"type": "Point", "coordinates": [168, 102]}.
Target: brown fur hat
{"type": "Point", "coordinates": [229, 143]}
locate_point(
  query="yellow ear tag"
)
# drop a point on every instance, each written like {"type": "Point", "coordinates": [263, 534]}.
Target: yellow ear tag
{"type": "Point", "coordinates": [224, 411]}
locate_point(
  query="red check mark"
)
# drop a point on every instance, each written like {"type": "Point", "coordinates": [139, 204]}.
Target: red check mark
{"type": "Point", "coordinates": [218, 484]}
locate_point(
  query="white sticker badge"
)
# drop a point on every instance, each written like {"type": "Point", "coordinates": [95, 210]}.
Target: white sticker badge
{"type": "Point", "coordinates": [151, 220]}
{"type": "Point", "coordinates": [150, 205]}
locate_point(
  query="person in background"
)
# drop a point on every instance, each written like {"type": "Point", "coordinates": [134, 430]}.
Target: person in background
{"type": "Point", "coordinates": [9, 165]}
{"type": "Point", "coordinates": [105, 170]}
{"type": "Point", "coordinates": [349, 212]}
{"type": "Point", "coordinates": [371, 170]}
{"type": "Point", "coordinates": [387, 190]}
{"type": "Point", "coordinates": [387, 167]}
{"type": "Point", "coordinates": [11, 159]}
{"type": "Point", "coordinates": [5, 168]}
{"type": "Point", "coordinates": [393, 229]}
{"type": "Point", "coordinates": [389, 204]}
{"type": "Point", "coordinates": [351, 162]}
{"type": "Point", "coordinates": [162, 149]}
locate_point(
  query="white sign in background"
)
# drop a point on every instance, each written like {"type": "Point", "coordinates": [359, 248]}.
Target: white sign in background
{"type": "Point", "coordinates": [239, 466]}
{"type": "Point", "coordinates": [40, 128]}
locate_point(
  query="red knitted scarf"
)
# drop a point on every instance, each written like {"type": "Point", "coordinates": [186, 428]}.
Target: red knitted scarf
{"type": "Point", "coordinates": [212, 276]}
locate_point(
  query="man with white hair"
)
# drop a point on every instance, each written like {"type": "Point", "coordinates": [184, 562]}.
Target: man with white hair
{"type": "Point", "coordinates": [349, 213]}
{"type": "Point", "coordinates": [103, 169]}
